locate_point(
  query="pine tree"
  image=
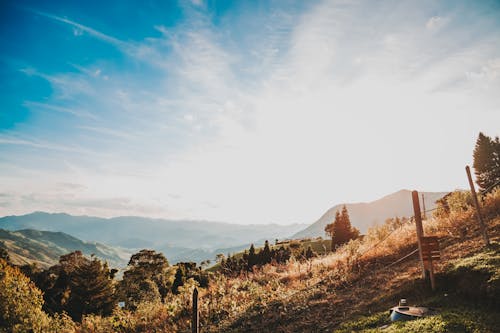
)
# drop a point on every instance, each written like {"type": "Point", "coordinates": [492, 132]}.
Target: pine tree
{"type": "Point", "coordinates": [252, 257]}
{"type": "Point", "coordinates": [92, 290]}
{"type": "Point", "coordinates": [487, 161]}
{"type": "Point", "coordinates": [265, 254]}
{"type": "Point", "coordinates": [178, 281]}
{"type": "Point", "coordinates": [332, 229]}
{"type": "Point", "coordinates": [77, 285]}
{"type": "Point", "coordinates": [341, 230]}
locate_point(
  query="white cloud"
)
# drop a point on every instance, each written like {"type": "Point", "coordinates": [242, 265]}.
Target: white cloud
{"type": "Point", "coordinates": [302, 130]}
{"type": "Point", "coordinates": [80, 28]}
{"type": "Point", "coordinates": [436, 23]}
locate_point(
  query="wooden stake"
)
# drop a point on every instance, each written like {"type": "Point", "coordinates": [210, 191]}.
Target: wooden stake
{"type": "Point", "coordinates": [420, 230]}
{"type": "Point", "coordinates": [478, 211]}
{"type": "Point", "coordinates": [195, 324]}
{"type": "Point", "coordinates": [431, 270]}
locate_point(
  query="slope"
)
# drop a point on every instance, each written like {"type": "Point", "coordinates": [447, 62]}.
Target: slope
{"type": "Point", "coordinates": [45, 247]}
{"type": "Point", "coordinates": [352, 288]}
{"type": "Point", "coordinates": [361, 305]}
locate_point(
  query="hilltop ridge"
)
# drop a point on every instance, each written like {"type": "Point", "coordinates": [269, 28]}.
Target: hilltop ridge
{"type": "Point", "coordinates": [366, 214]}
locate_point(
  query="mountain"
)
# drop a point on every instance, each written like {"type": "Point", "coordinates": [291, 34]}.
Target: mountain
{"type": "Point", "coordinates": [364, 215]}
{"type": "Point", "coordinates": [175, 238]}
{"type": "Point", "coordinates": [45, 247]}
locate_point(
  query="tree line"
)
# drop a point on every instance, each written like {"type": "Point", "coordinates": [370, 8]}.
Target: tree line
{"type": "Point", "coordinates": [251, 259]}
{"type": "Point", "coordinates": [79, 285]}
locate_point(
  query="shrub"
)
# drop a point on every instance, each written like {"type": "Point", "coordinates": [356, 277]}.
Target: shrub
{"type": "Point", "coordinates": [20, 302]}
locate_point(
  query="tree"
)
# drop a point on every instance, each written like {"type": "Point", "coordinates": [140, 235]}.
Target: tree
{"type": "Point", "coordinates": [487, 161]}
{"type": "Point", "coordinates": [78, 286]}
{"type": "Point", "coordinates": [4, 254]}
{"type": "Point", "coordinates": [149, 269]}
{"type": "Point", "coordinates": [252, 257]}
{"type": "Point", "coordinates": [330, 228]}
{"type": "Point", "coordinates": [265, 254]}
{"type": "Point", "coordinates": [178, 281]}
{"type": "Point", "coordinates": [340, 230]}
{"type": "Point", "coordinates": [20, 302]}
{"type": "Point", "coordinates": [92, 290]}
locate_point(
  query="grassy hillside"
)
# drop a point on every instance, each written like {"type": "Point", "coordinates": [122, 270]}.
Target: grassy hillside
{"type": "Point", "coordinates": [353, 289]}
{"type": "Point", "coordinates": [45, 247]}
{"type": "Point", "coordinates": [348, 290]}
{"type": "Point", "coordinates": [465, 301]}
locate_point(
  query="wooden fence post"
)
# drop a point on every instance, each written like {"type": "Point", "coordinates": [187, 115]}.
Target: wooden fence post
{"type": "Point", "coordinates": [195, 323]}
{"type": "Point", "coordinates": [478, 211]}
{"type": "Point", "coordinates": [420, 230]}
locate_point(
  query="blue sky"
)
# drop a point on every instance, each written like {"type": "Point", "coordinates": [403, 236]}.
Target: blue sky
{"type": "Point", "coordinates": [240, 111]}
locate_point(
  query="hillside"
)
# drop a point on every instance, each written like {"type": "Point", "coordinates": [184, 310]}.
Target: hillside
{"type": "Point", "coordinates": [352, 290]}
{"type": "Point", "coordinates": [45, 247]}
{"type": "Point", "coordinates": [179, 240]}
{"type": "Point", "coordinates": [365, 215]}
{"type": "Point", "coordinates": [466, 298]}
{"type": "Point", "coordinates": [347, 290]}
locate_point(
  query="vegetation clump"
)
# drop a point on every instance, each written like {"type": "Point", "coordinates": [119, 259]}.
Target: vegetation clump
{"type": "Point", "coordinates": [487, 162]}
{"type": "Point", "coordinates": [340, 230]}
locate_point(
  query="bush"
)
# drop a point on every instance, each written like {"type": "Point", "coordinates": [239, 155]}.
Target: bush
{"type": "Point", "coordinates": [20, 302]}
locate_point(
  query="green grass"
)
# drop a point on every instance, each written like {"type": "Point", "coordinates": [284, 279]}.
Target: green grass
{"type": "Point", "coordinates": [472, 284]}
{"type": "Point", "coordinates": [450, 318]}
{"type": "Point", "coordinates": [485, 262]}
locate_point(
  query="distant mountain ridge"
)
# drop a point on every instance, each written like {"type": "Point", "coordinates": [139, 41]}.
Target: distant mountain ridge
{"type": "Point", "coordinates": [45, 247]}
{"type": "Point", "coordinates": [364, 215]}
{"type": "Point", "coordinates": [177, 239]}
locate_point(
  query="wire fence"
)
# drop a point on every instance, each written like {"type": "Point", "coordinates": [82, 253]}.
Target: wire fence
{"type": "Point", "coordinates": [368, 250]}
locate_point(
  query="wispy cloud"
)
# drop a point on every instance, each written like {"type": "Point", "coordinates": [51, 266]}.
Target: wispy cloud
{"type": "Point", "coordinates": [274, 110]}
{"type": "Point", "coordinates": [109, 131]}
{"type": "Point", "coordinates": [74, 111]}
{"type": "Point", "coordinates": [5, 140]}
{"type": "Point", "coordinates": [82, 28]}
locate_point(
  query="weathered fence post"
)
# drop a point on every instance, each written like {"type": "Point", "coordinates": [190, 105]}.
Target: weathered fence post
{"type": "Point", "coordinates": [195, 323]}
{"type": "Point", "coordinates": [420, 230]}
{"type": "Point", "coordinates": [476, 203]}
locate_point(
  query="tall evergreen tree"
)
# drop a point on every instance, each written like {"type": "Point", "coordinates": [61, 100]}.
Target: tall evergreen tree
{"type": "Point", "coordinates": [78, 286]}
{"type": "Point", "coordinates": [341, 230]}
{"type": "Point", "coordinates": [265, 254]}
{"type": "Point", "coordinates": [487, 161]}
{"type": "Point", "coordinates": [92, 290]}
{"type": "Point", "coordinates": [333, 230]}
{"type": "Point", "coordinates": [252, 257]}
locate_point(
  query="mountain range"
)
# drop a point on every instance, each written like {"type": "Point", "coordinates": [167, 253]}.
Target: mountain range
{"type": "Point", "coordinates": [49, 235]}
{"type": "Point", "coordinates": [364, 215]}
{"type": "Point", "coordinates": [179, 240]}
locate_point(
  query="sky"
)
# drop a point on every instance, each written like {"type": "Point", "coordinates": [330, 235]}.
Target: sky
{"type": "Point", "coordinates": [240, 111]}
